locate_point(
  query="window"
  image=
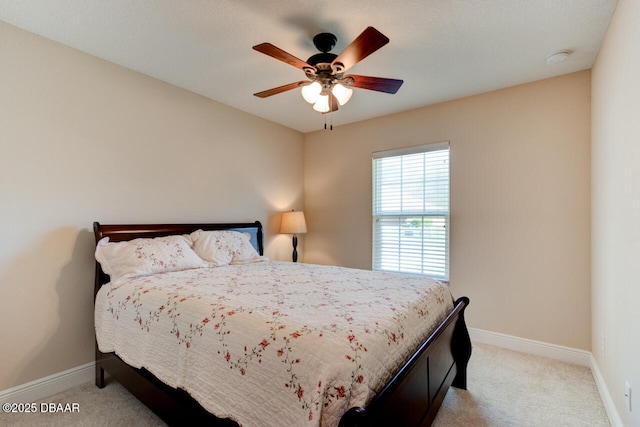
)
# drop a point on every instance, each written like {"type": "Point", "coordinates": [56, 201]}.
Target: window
{"type": "Point", "coordinates": [411, 210]}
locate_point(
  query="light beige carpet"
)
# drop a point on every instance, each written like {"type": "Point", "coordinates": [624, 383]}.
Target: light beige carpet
{"type": "Point", "coordinates": [506, 388]}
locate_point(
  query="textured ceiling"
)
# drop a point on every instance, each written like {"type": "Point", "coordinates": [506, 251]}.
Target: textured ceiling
{"type": "Point", "coordinates": [442, 49]}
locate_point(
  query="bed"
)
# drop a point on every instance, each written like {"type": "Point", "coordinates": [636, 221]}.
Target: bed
{"type": "Point", "coordinates": [406, 392]}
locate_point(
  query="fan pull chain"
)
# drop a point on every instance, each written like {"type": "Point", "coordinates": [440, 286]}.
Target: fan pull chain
{"type": "Point", "coordinates": [330, 124]}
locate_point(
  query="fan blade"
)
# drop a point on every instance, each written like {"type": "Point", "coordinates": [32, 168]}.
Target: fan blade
{"type": "Point", "coordinates": [364, 45]}
{"type": "Point", "coordinates": [281, 55]}
{"type": "Point", "coordinates": [379, 84]}
{"type": "Point", "coordinates": [279, 89]}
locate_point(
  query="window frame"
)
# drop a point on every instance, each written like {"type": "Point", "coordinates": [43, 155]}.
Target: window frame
{"type": "Point", "coordinates": [376, 260]}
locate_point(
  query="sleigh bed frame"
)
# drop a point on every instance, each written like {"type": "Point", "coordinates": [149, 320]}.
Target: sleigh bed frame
{"type": "Point", "coordinates": [411, 398]}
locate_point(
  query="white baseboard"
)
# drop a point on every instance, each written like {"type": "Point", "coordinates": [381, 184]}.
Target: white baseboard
{"type": "Point", "coordinates": [539, 348]}
{"type": "Point", "coordinates": [47, 386]}
{"type": "Point", "coordinates": [609, 406]}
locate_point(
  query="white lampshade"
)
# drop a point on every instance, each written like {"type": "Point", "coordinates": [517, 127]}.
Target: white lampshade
{"type": "Point", "coordinates": [322, 104]}
{"type": "Point", "coordinates": [293, 223]}
{"type": "Point", "coordinates": [311, 92]}
{"type": "Point", "coordinates": [342, 94]}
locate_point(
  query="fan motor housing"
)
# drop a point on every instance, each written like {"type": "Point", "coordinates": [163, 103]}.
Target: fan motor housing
{"type": "Point", "coordinates": [321, 58]}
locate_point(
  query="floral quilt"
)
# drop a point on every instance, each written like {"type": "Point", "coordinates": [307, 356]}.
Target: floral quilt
{"type": "Point", "coordinates": [271, 343]}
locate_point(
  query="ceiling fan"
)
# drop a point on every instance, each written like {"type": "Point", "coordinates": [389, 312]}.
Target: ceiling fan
{"type": "Point", "coordinates": [327, 85]}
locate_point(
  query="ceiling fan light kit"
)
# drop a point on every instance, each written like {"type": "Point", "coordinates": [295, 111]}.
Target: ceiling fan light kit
{"type": "Point", "coordinates": [315, 93]}
{"type": "Point", "coordinates": [327, 86]}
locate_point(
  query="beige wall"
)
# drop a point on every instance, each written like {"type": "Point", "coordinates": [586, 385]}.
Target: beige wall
{"type": "Point", "coordinates": [520, 194]}
{"type": "Point", "coordinates": [520, 199]}
{"type": "Point", "coordinates": [616, 208]}
{"type": "Point", "coordinates": [83, 140]}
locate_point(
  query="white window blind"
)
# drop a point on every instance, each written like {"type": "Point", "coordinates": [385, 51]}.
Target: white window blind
{"type": "Point", "coordinates": [411, 210]}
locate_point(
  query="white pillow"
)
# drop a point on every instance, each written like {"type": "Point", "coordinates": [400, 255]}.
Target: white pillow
{"type": "Point", "coordinates": [224, 247]}
{"type": "Point", "coordinates": [140, 257]}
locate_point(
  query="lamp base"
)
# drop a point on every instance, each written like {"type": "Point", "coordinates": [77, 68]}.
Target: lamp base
{"type": "Point", "coordinates": [294, 240]}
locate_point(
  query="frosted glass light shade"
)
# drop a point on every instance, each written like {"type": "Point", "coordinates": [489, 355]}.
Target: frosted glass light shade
{"type": "Point", "coordinates": [342, 94]}
{"type": "Point", "coordinates": [322, 104]}
{"type": "Point", "coordinates": [311, 92]}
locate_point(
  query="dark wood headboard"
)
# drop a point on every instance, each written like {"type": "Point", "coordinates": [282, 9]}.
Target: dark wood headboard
{"type": "Point", "coordinates": [122, 232]}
